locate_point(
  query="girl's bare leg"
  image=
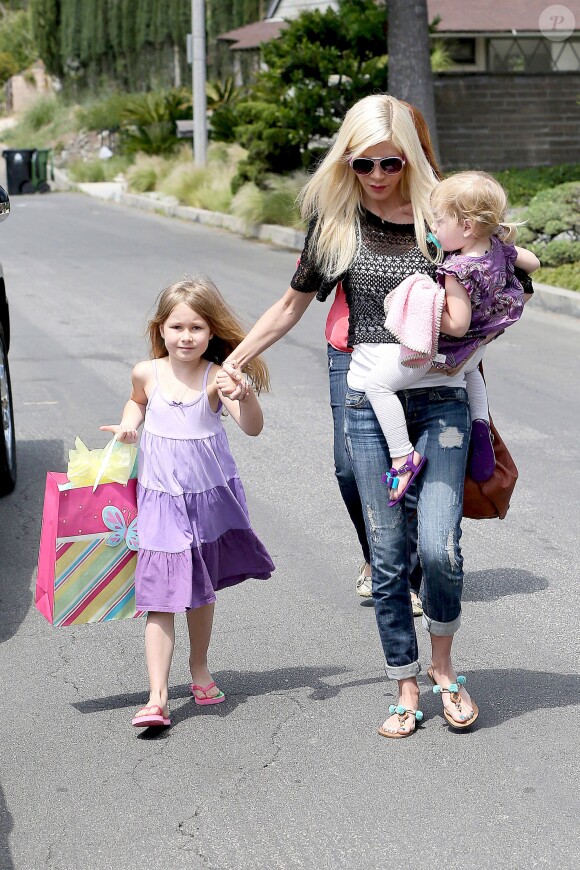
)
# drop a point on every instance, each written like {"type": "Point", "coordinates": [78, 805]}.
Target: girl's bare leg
{"type": "Point", "coordinates": [444, 674]}
{"type": "Point", "coordinates": [159, 643]}
{"type": "Point", "coordinates": [199, 625]}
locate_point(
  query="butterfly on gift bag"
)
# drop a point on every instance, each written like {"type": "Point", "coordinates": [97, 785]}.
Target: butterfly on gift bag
{"type": "Point", "coordinates": [115, 521]}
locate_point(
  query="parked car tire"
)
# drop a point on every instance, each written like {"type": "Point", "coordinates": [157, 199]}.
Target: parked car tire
{"type": "Point", "coordinates": [7, 432]}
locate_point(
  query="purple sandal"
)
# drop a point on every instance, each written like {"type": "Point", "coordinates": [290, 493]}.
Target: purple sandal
{"type": "Point", "coordinates": [391, 478]}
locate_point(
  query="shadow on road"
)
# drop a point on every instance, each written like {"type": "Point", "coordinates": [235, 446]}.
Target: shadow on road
{"type": "Point", "coordinates": [6, 826]}
{"type": "Point", "coordinates": [20, 521]}
{"type": "Point", "coordinates": [502, 695]}
{"type": "Point", "coordinates": [245, 684]}
{"type": "Point", "coordinates": [499, 583]}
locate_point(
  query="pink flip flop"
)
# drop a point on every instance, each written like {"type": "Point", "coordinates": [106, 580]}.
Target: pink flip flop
{"type": "Point", "coordinates": [153, 718]}
{"type": "Point", "coordinates": [205, 689]}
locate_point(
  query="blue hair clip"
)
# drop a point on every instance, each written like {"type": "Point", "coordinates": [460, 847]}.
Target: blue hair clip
{"type": "Point", "coordinates": [436, 242]}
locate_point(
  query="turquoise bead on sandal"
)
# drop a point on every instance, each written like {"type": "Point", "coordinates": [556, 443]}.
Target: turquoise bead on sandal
{"type": "Point", "coordinates": [453, 690]}
{"type": "Point", "coordinates": [403, 713]}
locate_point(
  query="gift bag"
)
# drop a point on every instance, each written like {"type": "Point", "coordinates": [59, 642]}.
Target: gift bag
{"type": "Point", "coordinates": [88, 547]}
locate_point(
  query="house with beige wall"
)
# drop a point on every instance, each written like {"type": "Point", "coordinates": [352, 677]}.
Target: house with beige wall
{"type": "Point", "coordinates": [510, 95]}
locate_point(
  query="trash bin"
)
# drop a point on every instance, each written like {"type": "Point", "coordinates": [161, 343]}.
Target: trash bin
{"type": "Point", "coordinates": [19, 170]}
{"type": "Point", "coordinates": [40, 169]}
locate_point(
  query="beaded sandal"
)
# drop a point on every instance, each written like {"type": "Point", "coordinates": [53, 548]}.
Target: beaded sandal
{"type": "Point", "coordinates": [391, 478]}
{"type": "Point", "coordinates": [453, 690]}
{"type": "Point", "coordinates": [403, 713]}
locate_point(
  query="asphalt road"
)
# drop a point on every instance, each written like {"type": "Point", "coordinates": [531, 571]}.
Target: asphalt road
{"type": "Point", "coordinates": [289, 772]}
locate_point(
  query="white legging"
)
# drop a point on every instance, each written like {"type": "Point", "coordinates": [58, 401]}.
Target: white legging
{"type": "Point", "coordinates": [389, 375]}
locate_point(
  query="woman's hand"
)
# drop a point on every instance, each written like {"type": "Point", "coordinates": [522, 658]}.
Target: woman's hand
{"type": "Point", "coordinates": [122, 433]}
{"type": "Point", "coordinates": [230, 382]}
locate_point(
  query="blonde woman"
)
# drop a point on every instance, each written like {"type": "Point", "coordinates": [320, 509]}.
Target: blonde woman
{"type": "Point", "coordinates": [368, 206]}
{"type": "Point", "coordinates": [338, 354]}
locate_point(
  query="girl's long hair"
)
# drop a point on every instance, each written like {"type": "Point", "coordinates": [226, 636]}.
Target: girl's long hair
{"type": "Point", "coordinates": [476, 196]}
{"type": "Point", "coordinates": [203, 297]}
{"type": "Point", "coordinates": [333, 196]}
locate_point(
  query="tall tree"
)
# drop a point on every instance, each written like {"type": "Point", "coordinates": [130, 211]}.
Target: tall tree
{"type": "Point", "coordinates": [410, 76]}
{"type": "Point", "coordinates": [321, 64]}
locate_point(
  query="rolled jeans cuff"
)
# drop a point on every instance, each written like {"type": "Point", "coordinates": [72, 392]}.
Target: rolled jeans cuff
{"type": "Point", "coordinates": [440, 629]}
{"type": "Point", "coordinates": [403, 672]}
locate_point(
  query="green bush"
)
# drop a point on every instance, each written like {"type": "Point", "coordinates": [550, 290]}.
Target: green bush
{"type": "Point", "coordinates": [321, 64]}
{"type": "Point", "coordinates": [48, 120]}
{"type": "Point", "coordinates": [42, 112]}
{"type": "Point", "coordinates": [549, 214]}
{"type": "Point", "coordinates": [142, 179]}
{"type": "Point", "coordinates": [555, 211]}
{"type": "Point", "coordinates": [149, 121]}
{"type": "Point", "coordinates": [273, 204]}
{"type": "Point", "coordinates": [8, 66]}
{"type": "Point", "coordinates": [16, 37]}
{"type": "Point", "coordinates": [148, 171]}
{"type": "Point", "coordinates": [523, 184]}
{"type": "Point", "coordinates": [198, 187]}
{"type": "Point", "coordinates": [83, 171]}
{"type": "Point", "coordinates": [567, 276]}
{"type": "Point", "coordinates": [557, 253]}
{"type": "Point", "coordinates": [222, 124]}
{"type": "Point", "coordinates": [103, 114]}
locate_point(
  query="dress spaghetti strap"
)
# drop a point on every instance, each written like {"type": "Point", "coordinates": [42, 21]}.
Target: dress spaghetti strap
{"type": "Point", "coordinates": [156, 387]}
{"type": "Point", "coordinates": [205, 377]}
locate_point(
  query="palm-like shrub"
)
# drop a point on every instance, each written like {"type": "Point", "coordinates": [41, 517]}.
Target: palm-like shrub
{"type": "Point", "coordinates": [149, 121]}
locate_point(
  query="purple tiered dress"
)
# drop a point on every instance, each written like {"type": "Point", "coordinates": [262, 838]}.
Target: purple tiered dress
{"type": "Point", "coordinates": [194, 530]}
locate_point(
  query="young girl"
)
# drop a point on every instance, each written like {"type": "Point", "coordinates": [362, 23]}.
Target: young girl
{"type": "Point", "coordinates": [194, 532]}
{"type": "Point", "coordinates": [480, 299]}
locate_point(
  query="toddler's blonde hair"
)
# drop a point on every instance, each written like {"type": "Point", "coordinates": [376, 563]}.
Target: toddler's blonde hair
{"type": "Point", "coordinates": [476, 196]}
{"type": "Point", "coordinates": [203, 297]}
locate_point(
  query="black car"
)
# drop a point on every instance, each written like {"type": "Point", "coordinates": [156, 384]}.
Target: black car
{"type": "Point", "coordinates": [7, 435]}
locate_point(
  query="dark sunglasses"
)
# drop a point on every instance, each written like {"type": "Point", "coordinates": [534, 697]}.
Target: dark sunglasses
{"type": "Point", "coordinates": [365, 165]}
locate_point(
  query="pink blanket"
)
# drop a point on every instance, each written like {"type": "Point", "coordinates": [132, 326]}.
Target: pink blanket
{"type": "Point", "coordinates": [414, 311]}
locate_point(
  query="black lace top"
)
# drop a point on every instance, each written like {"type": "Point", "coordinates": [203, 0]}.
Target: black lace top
{"type": "Point", "coordinates": [387, 254]}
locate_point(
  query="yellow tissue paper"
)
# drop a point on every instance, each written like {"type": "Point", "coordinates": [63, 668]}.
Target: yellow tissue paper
{"type": "Point", "coordinates": [111, 464]}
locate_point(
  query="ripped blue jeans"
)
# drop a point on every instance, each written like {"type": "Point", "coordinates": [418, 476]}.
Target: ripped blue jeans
{"type": "Point", "coordinates": [439, 425]}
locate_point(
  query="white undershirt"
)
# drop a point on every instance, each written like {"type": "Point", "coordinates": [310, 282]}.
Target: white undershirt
{"type": "Point", "coordinates": [366, 356]}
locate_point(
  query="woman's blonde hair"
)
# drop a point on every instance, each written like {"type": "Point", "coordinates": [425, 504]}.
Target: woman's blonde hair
{"type": "Point", "coordinates": [424, 138]}
{"type": "Point", "coordinates": [479, 198]}
{"type": "Point", "coordinates": [203, 297]}
{"type": "Point", "coordinates": [334, 195]}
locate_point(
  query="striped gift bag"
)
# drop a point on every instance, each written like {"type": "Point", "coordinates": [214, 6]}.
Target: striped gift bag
{"type": "Point", "coordinates": [88, 552]}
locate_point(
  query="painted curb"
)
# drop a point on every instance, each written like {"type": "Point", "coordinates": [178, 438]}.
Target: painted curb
{"type": "Point", "coordinates": [555, 299]}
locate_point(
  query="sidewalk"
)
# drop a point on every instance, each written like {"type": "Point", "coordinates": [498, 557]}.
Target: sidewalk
{"type": "Point", "coordinates": [555, 299]}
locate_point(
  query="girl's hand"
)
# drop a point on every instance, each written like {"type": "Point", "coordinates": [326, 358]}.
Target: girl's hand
{"type": "Point", "coordinates": [230, 382]}
{"type": "Point", "coordinates": [122, 433]}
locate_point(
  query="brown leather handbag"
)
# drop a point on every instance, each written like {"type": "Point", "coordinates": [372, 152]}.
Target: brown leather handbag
{"type": "Point", "coordinates": [491, 499]}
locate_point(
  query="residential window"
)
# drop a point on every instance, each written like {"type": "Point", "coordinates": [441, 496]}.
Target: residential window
{"type": "Point", "coordinates": [532, 55]}
{"type": "Point", "coordinates": [461, 50]}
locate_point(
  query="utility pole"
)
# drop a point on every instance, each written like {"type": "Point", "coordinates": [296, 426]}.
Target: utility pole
{"type": "Point", "coordinates": [198, 81]}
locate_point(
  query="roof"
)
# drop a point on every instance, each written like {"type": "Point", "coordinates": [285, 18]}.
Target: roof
{"type": "Point", "coordinates": [457, 16]}
{"type": "Point", "coordinates": [252, 35]}
{"type": "Point", "coordinates": [523, 16]}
